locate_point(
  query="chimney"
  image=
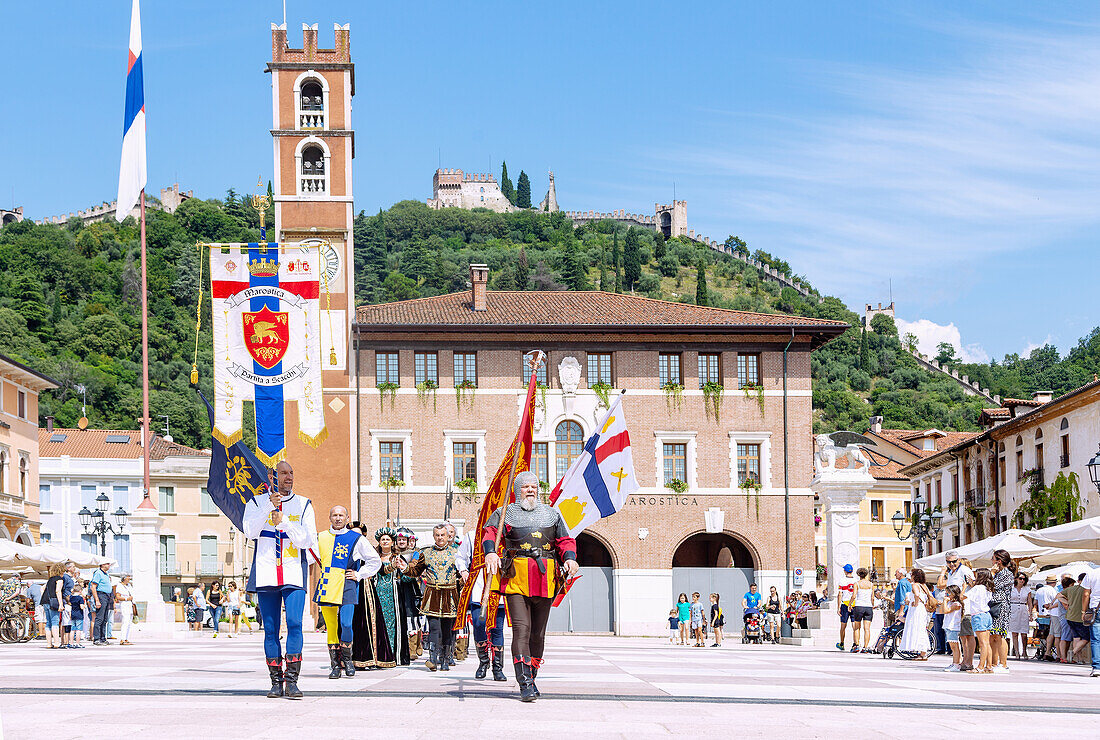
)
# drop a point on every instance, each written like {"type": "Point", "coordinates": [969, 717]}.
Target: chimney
{"type": "Point", "coordinates": [876, 424]}
{"type": "Point", "coordinates": [479, 280]}
{"type": "Point", "coordinates": [1043, 396]}
{"type": "Point", "coordinates": [49, 423]}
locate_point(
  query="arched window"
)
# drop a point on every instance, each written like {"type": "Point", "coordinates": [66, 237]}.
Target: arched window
{"type": "Point", "coordinates": [3, 471]}
{"type": "Point", "coordinates": [1019, 441]}
{"type": "Point", "coordinates": [1065, 424]}
{"type": "Point", "coordinates": [570, 443]}
{"type": "Point", "coordinates": [1001, 446]}
{"type": "Point", "coordinates": [23, 476]}
{"type": "Point", "coordinates": [313, 178]}
{"type": "Point", "coordinates": [311, 101]}
{"type": "Point", "coordinates": [1039, 433]}
{"type": "Point", "coordinates": [311, 96]}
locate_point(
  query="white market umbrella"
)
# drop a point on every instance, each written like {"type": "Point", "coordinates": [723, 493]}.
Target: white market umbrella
{"type": "Point", "coordinates": [16, 555]}
{"type": "Point", "coordinates": [980, 553]}
{"type": "Point", "coordinates": [1081, 535]}
{"type": "Point", "coordinates": [1074, 569]}
{"type": "Point", "coordinates": [57, 554]}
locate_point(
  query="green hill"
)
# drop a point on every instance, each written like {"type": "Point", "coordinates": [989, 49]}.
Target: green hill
{"type": "Point", "coordinates": [69, 306]}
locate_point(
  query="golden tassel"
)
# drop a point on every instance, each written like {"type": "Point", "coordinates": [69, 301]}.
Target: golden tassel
{"type": "Point", "coordinates": [194, 373]}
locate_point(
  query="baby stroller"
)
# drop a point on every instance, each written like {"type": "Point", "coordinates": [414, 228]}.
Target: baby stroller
{"type": "Point", "coordinates": [754, 633]}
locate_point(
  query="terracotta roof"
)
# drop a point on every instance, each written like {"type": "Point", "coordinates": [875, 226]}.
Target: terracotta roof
{"type": "Point", "coordinates": [566, 308]}
{"type": "Point", "coordinates": [944, 440]}
{"type": "Point", "coordinates": [890, 471]}
{"type": "Point", "coordinates": [1021, 402]}
{"type": "Point", "coordinates": [93, 443]}
{"type": "Point", "coordinates": [27, 376]}
{"type": "Point", "coordinates": [996, 413]}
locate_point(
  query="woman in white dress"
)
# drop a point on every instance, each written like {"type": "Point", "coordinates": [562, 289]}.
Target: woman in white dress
{"type": "Point", "coordinates": [124, 597]}
{"type": "Point", "coordinates": [1022, 603]}
{"type": "Point", "coordinates": [914, 638]}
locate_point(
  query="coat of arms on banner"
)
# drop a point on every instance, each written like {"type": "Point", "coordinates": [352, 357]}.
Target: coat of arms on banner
{"type": "Point", "coordinates": [267, 342]}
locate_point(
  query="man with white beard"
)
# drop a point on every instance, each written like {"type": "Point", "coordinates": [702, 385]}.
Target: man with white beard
{"type": "Point", "coordinates": [536, 549]}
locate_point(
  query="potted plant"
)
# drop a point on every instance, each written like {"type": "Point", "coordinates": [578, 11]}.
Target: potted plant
{"type": "Point", "coordinates": [464, 391]}
{"type": "Point", "coordinates": [603, 393]}
{"type": "Point", "coordinates": [674, 395]}
{"type": "Point", "coordinates": [676, 485]}
{"type": "Point", "coordinates": [424, 389]}
{"type": "Point", "coordinates": [712, 399]}
{"type": "Point", "coordinates": [386, 388]}
{"type": "Point", "coordinates": [755, 390]}
{"type": "Point", "coordinates": [751, 486]}
{"type": "Point", "coordinates": [467, 485]}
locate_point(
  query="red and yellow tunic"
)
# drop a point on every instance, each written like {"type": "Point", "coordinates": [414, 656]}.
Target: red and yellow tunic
{"type": "Point", "coordinates": [536, 543]}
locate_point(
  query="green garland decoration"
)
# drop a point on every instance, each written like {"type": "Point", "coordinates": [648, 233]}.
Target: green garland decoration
{"type": "Point", "coordinates": [712, 399]}
{"type": "Point", "coordinates": [674, 396]}
{"type": "Point", "coordinates": [469, 485]}
{"type": "Point", "coordinates": [755, 390]}
{"type": "Point", "coordinates": [423, 389]}
{"type": "Point", "coordinates": [462, 395]}
{"type": "Point", "coordinates": [676, 485]}
{"type": "Point", "coordinates": [386, 389]}
{"type": "Point", "coordinates": [1057, 503]}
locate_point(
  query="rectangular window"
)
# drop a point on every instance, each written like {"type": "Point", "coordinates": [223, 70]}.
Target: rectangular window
{"type": "Point", "coordinates": [465, 461]}
{"type": "Point", "coordinates": [878, 562]}
{"type": "Point", "coordinates": [120, 496]}
{"type": "Point", "coordinates": [1038, 457]}
{"type": "Point", "coordinates": [668, 369]}
{"type": "Point", "coordinates": [876, 511]}
{"type": "Point", "coordinates": [1019, 464]}
{"type": "Point", "coordinates": [748, 370]}
{"type": "Point", "coordinates": [206, 502]}
{"type": "Point", "coordinates": [385, 368]}
{"type": "Point", "coordinates": [167, 500]}
{"type": "Point", "coordinates": [939, 492]}
{"type": "Point", "coordinates": [45, 497]}
{"type": "Point", "coordinates": [426, 367]}
{"type": "Point", "coordinates": [908, 558]}
{"type": "Point", "coordinates": [168, 565]}
{"type": "Point", "coordinates": [540, 461]}
{"type": "Point", "coordinates": [391, 455]}
{"type": "Point", "coordinates": [1001, 472]}
{"type": "Point", "coordinates": [87, 497]}
{"type": "Point", "coordinates": [89, 543]}
{"type": "Point", "coordinates": [465, 368]}
{"type": "Point", "coordinates": [208, 555]}
{"type": "Point", "coordinates": [539, 377]}
{"type": "Point", "coordinates": [22, 403]}
{"type": "Point", "coordinates": [748, 463]}
{"type": "Point", "coordinates": [675, 458]}
{"type": "Point", "coordinates": [599, 368]}
{"type": "Point", "coordinates": [1065, 451]}
{"type": "Point", "coordinates": [709, 368]}
{"type": "Point", "coordinates": [908, 510]}
{"type": "Point", "coordinates": [122, 553]}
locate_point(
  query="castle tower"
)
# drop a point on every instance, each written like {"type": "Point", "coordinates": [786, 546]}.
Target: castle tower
{"type": "Point", "coordinates": [550, 202]}
{"type": "Point", "coordinates": [314, 144]}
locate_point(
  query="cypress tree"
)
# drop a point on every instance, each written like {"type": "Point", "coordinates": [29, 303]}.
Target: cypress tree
{"type": "Point", "coordinates": [616, 263]}
{"type": "Point", "coordinates": [523, 191]}
{"type": "Point", "coordinates": [863, 348]}
{"type": "Point", "coordinates": [701, 298]}
{"type": "Point", "coordinates": [522, 270]}
{"type": "Point", "coordinates": [506, 184]}
{"type": "Point", "coordinates": [603, 270]}
{"type": "Point", "coordinates": [632, 259]}
{"type": "Point", "coordinates": [658, 246]}
{"type": "Point", "coordinates": [573, 271]}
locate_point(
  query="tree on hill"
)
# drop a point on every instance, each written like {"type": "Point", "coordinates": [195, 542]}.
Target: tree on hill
{"type": "Point", "coordinates": [506, 184]}
{"type": "Point", "coordinates": [522, 270]}
{"type": "Point", "coordinates": [616, 263]}
{"type": "Point", "coordinates": [632, 258]}
{"type": "Point", "coordinates": [701, 284]}
{"type": "Point", "coordinates": [523, 191]}
{"type": "Point", "coordinates": [574, 271]}
{"type": "Point", "coordinates": [945, 354]}
{"type": "Point", "coordinates": [883, 325]}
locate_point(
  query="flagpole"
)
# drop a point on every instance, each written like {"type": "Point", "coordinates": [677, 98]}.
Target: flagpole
{"type": "Point", "coordinates": [146, 439]}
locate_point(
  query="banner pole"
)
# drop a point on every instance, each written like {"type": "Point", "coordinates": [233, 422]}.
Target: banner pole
{"type": "Point", "coordinates": [147, 441]}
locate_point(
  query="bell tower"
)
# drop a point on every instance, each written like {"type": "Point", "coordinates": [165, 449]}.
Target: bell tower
{"type": "Point", "coordinates": [314, 144]}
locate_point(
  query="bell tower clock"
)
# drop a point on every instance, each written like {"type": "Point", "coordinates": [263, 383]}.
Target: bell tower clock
{"type": "Point", "coordinates": [311, 91]}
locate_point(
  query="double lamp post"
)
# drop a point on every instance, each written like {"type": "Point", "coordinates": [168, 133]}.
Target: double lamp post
{"type": "Point", "coordinates": [95, 522]}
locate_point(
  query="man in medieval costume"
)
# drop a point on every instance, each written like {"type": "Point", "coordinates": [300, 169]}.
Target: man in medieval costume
{"type": "Point", "coordinates": [381, 636]}
{"type": "Point", "coordinates": [440, 601]}
{"type": "Point", "coordinates": [347, 561]}
{"type": "Point", "coordinates": [489, 644]}
{"type": "Point", "coordinates": [536, 556]}
{"type": "Point", "coordinates": [284, 528]}
{"type": "Point", "coordinates": [410, 593]}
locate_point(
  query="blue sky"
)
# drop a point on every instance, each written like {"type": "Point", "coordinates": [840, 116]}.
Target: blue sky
{"type": "Point", "coordinates": [951, 149]}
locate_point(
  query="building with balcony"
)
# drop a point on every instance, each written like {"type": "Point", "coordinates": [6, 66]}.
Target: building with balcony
{"type": "Point", "coordinates": [197, 541]}
{"type": "Point", "coordinates": [19, 389]}
{"type": "Point", "coordinates": [442, 381]}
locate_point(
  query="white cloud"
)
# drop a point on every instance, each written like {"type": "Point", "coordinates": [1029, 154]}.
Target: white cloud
{"type": "Point", "coordinates": [930, 334]}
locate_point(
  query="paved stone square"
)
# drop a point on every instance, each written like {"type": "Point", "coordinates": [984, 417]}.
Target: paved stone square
{"type": "Point", "coordinates": [196, 687]}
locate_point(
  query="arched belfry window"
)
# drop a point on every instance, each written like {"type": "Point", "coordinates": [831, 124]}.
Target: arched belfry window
{"type": "Point", "coordinates": [311, 101]}
{"type": "Point", "coordinates": [314, 170]}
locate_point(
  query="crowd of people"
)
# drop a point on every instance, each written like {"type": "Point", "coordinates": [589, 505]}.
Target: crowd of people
{"type": "Point", "coordinates": [689, 620]}
{"type": "Point", "coordinates": [980, 616]}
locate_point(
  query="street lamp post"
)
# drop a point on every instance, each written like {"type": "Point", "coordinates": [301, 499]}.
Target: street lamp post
{"type": "Point", "coordinates": [924, 526]}
{"type": "Point", "coordinates": [1094, 470]}
{"type": "Point", "coordinates": [95, 522]}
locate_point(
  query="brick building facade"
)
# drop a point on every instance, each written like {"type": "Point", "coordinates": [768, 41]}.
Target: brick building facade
{"type": "Point", "coordinates": [427, 439]}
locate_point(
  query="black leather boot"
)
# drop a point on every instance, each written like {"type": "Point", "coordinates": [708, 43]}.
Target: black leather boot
{"type": "Point", "coordinates": [523, 678]}
{"type": "Point", "coordinates": [498, 663]}
{"type": "Point", "coordinates": [535, 663]}
{"type": "Point", "coordinates": [483, 659]}
{"type": "Point", "coordinates": [446, 657]}
{"type": "Point", "coordinates": [432, 661]}
{"type": "Point", "coordinates": [450, 655]}
{"type": "Point", "coordinates": [275, 669]}
{"type": "Point", "coordinates": [349, 664]}
{"type": "Point", "coordinates": [293, 668]}
{"type": "Point", "coordinates": [334, 661]}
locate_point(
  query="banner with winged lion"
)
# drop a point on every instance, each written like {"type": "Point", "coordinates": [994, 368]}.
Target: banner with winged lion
{"type": "Point", "coordinates": [267, 342]}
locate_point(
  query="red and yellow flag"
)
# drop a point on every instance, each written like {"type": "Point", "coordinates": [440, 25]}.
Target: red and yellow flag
{"type": "Point", "coordinates": [500, 491]}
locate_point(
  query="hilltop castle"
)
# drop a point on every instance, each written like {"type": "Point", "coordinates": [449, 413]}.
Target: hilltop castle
{"type": "Point", "coordinates": [458, 189]}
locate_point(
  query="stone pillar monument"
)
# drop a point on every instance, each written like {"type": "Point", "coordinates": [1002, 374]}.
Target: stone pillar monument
{"type": "Point", "coordinates": [841, 489]}
{"type": "Point", "coordinates": [145, 524]}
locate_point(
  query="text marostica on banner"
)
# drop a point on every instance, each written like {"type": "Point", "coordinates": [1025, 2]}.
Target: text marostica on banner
{"type": "Point", "coordinates": [267, 342]}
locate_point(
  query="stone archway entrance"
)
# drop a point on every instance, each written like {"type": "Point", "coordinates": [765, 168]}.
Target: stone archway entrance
{"type": "Point", "coordinates": [709, 563]}
{"type": "Point", "coordinates": [590, 604]}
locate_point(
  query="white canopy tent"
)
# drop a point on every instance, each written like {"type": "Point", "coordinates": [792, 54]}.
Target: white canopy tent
{"type": "Point", "coordinates": [1074, 569]}
{"type": "Point", "coordinates": [980, 553]}
{"type": "Point", "coordinates": [1082, 535]}
{"type": "Point", "coordinates": [17, 557]}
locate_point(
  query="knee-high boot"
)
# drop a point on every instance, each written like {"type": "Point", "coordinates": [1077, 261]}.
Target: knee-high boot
{"type": "Point", "coordinates": [275, 669]}
{"type": "Point", "coordinates": [293, 668]}
{"type": "Point", "coordinates": [523, 678]}
{"type": "Point", "coordinates": [536, 663]}
{"type": "Point", "coordinates": [349, 664]}
{"type": "Point", "coordinates": [334, 661]}
{"type": "Point", "coordinates": [498, 663]}
{"type": "Point", "coordinates": [483, 659]}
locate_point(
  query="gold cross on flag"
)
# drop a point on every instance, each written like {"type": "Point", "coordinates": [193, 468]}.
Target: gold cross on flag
{"type": "Point", "coordinates": [620, 475]}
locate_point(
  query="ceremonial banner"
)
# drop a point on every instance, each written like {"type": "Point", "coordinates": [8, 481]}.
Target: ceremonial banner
{"type": "Point", "coordinates": [499, 491]}
{"type": "Point", "coordinates": [267, 343]}
{"type": "Point", "coordinates": [235, 476]}
{"type": "Point", "coordinates": [598, 482]}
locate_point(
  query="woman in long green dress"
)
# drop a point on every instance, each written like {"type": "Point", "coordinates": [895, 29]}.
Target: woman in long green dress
{"type": "Point", "coordinates": [379, 623]}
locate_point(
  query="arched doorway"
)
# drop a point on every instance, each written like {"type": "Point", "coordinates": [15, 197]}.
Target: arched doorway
{"type": "Point", "coordinates": [590, 604]}
{"type": "Point", "coordinates": [666, 224]}
{"type": "Point", "coordinates": [713, 563]}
